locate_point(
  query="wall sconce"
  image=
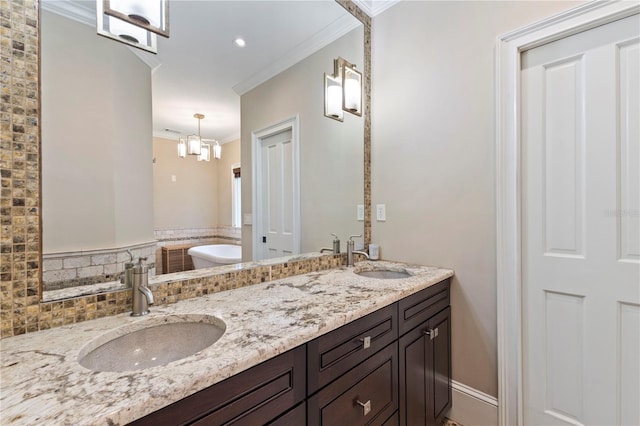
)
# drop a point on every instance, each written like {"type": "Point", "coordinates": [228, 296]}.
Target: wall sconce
{"type": "Point", "coordinates": [351, 89]}
{"type": "Point", "coordinates": [342, 90]}
{"type": "Point", "coordinates": [150, 15]}
{"type": "Point", "coordinates": [205, 153]}
{"type": "Point", "coordinates": [333, 98]}
{"type": "Point", "coordinates": [124, 32]}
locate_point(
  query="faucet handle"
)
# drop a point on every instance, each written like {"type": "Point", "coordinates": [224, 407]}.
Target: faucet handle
{"type": "Point", "coordinates": [354, 236]}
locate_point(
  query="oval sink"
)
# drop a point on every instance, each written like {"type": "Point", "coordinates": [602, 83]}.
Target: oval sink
{"type": "Point", "coordinates": [384, 274]}
{"type": "Point", "coordinates": [151, 342]}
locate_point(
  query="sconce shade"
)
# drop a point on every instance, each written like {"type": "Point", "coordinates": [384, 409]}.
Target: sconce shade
{"type": "Point", "coordinates": [351, 90]}
{"type": "Point", "coordinates": [217, 151]}
{"type": "Point", "coordinates": [124, 32]}
{"type": "Point", "coordinates": [194, 145]}
{"type": "Point", "coordinates": [150, 15]}
{"type": "Point", "coordinates": [333, 98]}
{"type": "Point", "coordinates": [205, 152]}
{"type": "Point", "coordinates": [182, 148]}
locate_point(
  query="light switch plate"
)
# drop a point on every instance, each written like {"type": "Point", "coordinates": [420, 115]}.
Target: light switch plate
{"type": "Point", "coordinates": [360, 212]}
{"type": "Point", "coordinates": [248, 219]}
{"type": "Point", "coordinates": [381, 212]}
{"type": "Point", "coordinates": [174, 178]}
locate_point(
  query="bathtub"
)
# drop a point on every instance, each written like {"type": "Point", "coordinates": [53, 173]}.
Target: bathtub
{"type": "Point", "coordinates": [215, 255]}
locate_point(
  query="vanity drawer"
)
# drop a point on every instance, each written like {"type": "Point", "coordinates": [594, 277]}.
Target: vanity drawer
{"type": "Point", "coordinates": [419, 307]}
{"type": "Point", "coordinates": [294, 417]}
{"type": "Point", "coordinates": [252, 397]}
{"type": "Point", "coordinates": [331, 355]}
{"type": "Point", "coordinates": [365, 395]}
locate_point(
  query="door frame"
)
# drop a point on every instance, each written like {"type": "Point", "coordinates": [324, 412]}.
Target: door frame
{"type": "Point", "coordinates": [509, 183]}
{"type": "Point", "coordinates": [257, 136]}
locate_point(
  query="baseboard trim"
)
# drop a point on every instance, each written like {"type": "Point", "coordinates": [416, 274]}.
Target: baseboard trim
{"type": "Point", "coordinates": [472, 407]}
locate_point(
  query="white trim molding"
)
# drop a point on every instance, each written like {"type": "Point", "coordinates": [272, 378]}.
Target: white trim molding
{"type": "Point", "coordinates": [472, 407]}
{"type": "Point", "coordinates": [508, 183]}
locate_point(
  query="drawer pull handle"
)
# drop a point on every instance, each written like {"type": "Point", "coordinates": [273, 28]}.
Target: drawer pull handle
{"type": "Point", "coordinates": [366, 342]}
{"type": "Point", "coordinates": [432, 333]}
{"type": "Point", "coordinates": [366, 406]}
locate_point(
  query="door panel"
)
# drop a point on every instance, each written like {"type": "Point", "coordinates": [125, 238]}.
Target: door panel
{"type": "Point", "coordinates": [580, 228]}
{"type": "Point", "coordinates": [278, 195]}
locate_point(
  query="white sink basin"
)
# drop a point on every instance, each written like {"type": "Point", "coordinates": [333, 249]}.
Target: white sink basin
{"type": "Point", "coordinates": [384, 274]}
{"type": "Point", "coordinates": [151, 342]}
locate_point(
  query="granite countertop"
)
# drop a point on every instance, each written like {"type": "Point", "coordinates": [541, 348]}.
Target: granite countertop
{"type": "Point", "coordinates": [41, 381]}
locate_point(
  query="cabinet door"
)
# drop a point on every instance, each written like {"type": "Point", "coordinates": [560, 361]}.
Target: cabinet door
{"type": "Point", "coordinates": [439, 366]}
{"type": "Point", "coordinates": [425, 371]}
{"type": "Point", "coordinates": [413, 376]}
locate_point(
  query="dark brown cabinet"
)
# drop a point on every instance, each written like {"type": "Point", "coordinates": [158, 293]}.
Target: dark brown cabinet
{"type": "Point", "coordinates": [425, 364]}
{"type": "Point", "coordinates": [391, 367]}
{"type": "Point", "coordinates": [335, 353]}
{"type": "Point", "coordinates": [253, 397]}
{"type": "Point", "coordinates": [365, 395]}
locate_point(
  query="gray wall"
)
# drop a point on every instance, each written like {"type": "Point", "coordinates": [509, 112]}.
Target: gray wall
{"type": "Point", "coordinates": [433, 155]}
{"type": "Point", "coordinates": [331, 152]}
{"type": "Point", "coordinates": [192, 200]}
{"type": "Point", "coordinates": [96, 140]}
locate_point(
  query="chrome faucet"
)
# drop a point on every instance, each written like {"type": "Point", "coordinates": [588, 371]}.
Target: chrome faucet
{"type": "Point", "coordinates": [336, 246]}
{"type": "Point", "coordinates": [141, 295]}
{"type": "Point", "coordinates": [127, 278]}
{"type": "Point", "coordinates": [351, 251]}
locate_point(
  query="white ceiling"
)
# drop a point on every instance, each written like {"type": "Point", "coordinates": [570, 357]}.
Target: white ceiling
{"type": "Point", "coordinates": [199, 70]}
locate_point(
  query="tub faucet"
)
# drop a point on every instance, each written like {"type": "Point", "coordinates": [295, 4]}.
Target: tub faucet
{"type": "Point", "coordinates": [141, 295]}
{"type": "Point", "coordinates": [351, 251]}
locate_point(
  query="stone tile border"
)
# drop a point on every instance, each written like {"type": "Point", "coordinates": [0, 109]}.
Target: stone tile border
{"type": "Point", "coordinates": [74, 269]}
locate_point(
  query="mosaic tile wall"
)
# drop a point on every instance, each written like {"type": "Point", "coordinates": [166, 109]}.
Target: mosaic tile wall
{"type": "Point", "coordinates": [19, 167]}
{"type": "Point", "coordinates": [20, 245]}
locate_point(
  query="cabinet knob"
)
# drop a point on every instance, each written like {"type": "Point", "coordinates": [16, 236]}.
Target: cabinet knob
{"type": "Point", "coordinates": [366, 342]}
{"type": "Point", "coordinates": [432, 333]}
{"type": "Point", "coordinates": [366, 406]}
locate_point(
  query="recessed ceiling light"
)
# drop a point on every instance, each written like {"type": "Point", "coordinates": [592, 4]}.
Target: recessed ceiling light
{"type": "Point", "coordinates": [239, 42]}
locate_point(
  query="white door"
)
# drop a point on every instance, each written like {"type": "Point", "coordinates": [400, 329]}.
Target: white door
{"type": "Point", "coordinates": [277, 200]}
{"type": "Point", "coordinates": [581, 228]}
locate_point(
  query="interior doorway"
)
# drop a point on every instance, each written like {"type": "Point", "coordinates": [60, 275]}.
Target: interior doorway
{"type": "Point", "coordinates": [276, 183]}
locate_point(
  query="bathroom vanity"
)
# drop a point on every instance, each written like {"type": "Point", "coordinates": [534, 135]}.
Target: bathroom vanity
{"type": "Point", "coordinates": [329, 347]}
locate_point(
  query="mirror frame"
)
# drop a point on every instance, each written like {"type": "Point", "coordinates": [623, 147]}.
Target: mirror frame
{"type": "Point", "coordinates": [21, 308]}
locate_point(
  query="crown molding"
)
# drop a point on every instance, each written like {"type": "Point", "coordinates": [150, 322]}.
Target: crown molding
{"type": "Point", "coordinates": [332, 32]}
{"type": "Point", "coordinates": [375, 7]}
{"type": "Point", "coordinates": [72, 10]}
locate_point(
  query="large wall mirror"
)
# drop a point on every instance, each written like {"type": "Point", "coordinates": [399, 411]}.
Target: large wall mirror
{"type": "Point", "coordinates": [112, 116]}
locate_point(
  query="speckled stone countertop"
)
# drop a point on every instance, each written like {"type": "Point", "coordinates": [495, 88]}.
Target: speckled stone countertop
{"type": "Point", "coordinates": [41, 381]}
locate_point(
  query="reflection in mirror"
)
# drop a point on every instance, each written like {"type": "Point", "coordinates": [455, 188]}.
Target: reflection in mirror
{"type": "Point", "coordinates": [112, 179]}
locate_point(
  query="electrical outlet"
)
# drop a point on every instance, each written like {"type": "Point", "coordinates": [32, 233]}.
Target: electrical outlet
{"type": "Point", "coordinates": [381, 212]}
{"type": "Point", "coordinates": [360, 212]}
